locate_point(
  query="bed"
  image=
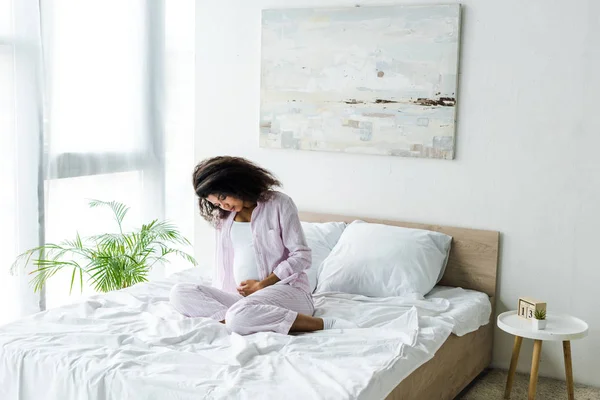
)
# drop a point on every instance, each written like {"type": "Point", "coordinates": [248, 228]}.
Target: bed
{"type": "Point", "coordinates": [473, 264]}
{"type": "Point", "coordinates": [131, 344]}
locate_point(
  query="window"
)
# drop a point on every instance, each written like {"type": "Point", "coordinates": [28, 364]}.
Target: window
{"type": "Point", "coordinates": [99, 83]}
{"type": "Point", "coordinates": [102, 140]}
{"type": "Point", "coordinates": [118, 118]}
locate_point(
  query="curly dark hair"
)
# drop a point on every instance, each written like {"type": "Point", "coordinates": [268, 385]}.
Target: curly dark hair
{"type": "Point", "coordinates": [230, 176]}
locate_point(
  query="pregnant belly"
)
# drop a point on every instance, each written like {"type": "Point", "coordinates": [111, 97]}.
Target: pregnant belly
{"type": "Point", "coordinates": [245, 271]}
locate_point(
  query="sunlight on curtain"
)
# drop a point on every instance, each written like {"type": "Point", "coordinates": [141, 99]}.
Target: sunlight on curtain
{"type": "Point", "coordinates": [96, 62]}
{"type": "Point", "coordinates": [6, 17]}
{"type": "Point", "coordinates": [8, 245]}
{"type": "Point", "coordinates": [19, 150]}
{"type": "Point", "coordinates": [120, 119]}
{"type": "Point", "coordinates": [99, 141]}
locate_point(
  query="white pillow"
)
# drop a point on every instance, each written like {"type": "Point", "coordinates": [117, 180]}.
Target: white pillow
{"type": "Point", "coordinates": [321, 238]}
{"type": "Point", "coordinates": [383, 261]}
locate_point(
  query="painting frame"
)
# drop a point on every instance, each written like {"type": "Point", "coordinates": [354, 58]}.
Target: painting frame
{"type": "Point", "coordinates": [324, 87]}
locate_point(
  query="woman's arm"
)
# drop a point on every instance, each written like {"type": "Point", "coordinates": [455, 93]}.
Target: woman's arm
{"type": "Point", "coordinates": [269, 280]}
{"type": "Point", "coordinates": [292, 235]}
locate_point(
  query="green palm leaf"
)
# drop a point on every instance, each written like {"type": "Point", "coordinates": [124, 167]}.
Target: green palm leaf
{"type": "Point", "coordinates": [119, 209]}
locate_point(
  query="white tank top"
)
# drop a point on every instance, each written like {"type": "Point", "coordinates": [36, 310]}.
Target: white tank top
{"type": "Point", "coordinates": [244, 258]}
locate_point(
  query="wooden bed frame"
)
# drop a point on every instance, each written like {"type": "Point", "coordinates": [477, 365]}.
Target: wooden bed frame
{"type": "Point", "coordinates": [472, 264]}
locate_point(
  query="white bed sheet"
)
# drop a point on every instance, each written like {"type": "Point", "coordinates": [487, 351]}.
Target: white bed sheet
{"type": "Point", "coordinates": [132, 345]}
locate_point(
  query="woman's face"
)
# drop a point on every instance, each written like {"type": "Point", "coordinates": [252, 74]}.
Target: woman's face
{"type": "Point", "coordinates": [227, 203]}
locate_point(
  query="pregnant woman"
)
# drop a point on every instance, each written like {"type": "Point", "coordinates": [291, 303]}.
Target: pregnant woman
{"type": "Point", "coordinates": [259, 281]}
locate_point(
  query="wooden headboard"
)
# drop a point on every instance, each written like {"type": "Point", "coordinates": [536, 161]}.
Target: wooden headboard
{"type": "Point", "coordinates": [473, 258]}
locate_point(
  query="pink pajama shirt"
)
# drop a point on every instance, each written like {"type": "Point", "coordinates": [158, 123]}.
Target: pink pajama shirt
{"type": "Point", "coordinates": [280, 248]}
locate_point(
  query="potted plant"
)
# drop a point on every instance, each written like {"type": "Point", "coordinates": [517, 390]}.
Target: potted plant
{"type": "Point", "coordinates": [539, 320]}
{"type": "Point", "coordinates": [109, 261]}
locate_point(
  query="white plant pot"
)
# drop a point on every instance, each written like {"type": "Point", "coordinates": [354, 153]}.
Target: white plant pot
{"type": "Point", "coordinates": [539, 324]}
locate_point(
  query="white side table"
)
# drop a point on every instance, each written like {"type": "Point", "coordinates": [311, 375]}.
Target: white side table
{"type": "Point", "coordinates": [559, 327]}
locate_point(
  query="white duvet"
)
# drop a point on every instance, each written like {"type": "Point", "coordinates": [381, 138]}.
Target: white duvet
{"type": "Point", "coordinates": [132, 345]}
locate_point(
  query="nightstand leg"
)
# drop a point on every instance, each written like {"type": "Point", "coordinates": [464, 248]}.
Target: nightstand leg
{"type": "Point", "coordinates": [568, 368]}
{"type": "Point", "coordinates": [535, 366]}
{"type": "Point", "coordinates": [513, 366]}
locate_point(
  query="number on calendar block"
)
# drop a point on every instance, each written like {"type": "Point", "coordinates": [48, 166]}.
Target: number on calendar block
{"type": "Point", "coordinates": [528, 307]}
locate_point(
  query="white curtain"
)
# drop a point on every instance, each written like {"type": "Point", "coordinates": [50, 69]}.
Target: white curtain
{"type": "Point", "coordinates": [115, 76]}
{"type": "Point", "coordinates": [20, 150]}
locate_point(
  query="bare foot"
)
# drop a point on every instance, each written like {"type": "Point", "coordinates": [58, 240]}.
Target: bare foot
{"type": "Point", "coordinates": [306, 323]}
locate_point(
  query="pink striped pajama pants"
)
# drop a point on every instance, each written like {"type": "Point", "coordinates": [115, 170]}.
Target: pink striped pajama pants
{"type": "Point", "coordinates": [272, 309]}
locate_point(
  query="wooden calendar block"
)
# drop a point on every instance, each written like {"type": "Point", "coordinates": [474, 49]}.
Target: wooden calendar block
{"type": "Point", "coordinates": [528, 307]}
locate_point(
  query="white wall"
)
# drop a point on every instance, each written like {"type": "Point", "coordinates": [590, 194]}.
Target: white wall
{"type": "Point", "coordinates": [528, 147]}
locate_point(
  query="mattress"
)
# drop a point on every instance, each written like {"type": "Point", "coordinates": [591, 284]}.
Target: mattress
{"type": "Point", "coordinates": [131, 344]}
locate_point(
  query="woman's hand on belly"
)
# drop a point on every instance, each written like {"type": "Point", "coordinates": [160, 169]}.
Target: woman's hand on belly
{"type": "Point", "coordinates": [248, 287]}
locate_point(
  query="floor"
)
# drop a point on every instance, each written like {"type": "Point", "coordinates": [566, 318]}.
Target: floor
{"type": "Point", "coordinates": [490, 386]}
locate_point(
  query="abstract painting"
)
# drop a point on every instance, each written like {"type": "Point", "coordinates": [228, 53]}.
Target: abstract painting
{"type": "Point", "coordinates": [372, 80]}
